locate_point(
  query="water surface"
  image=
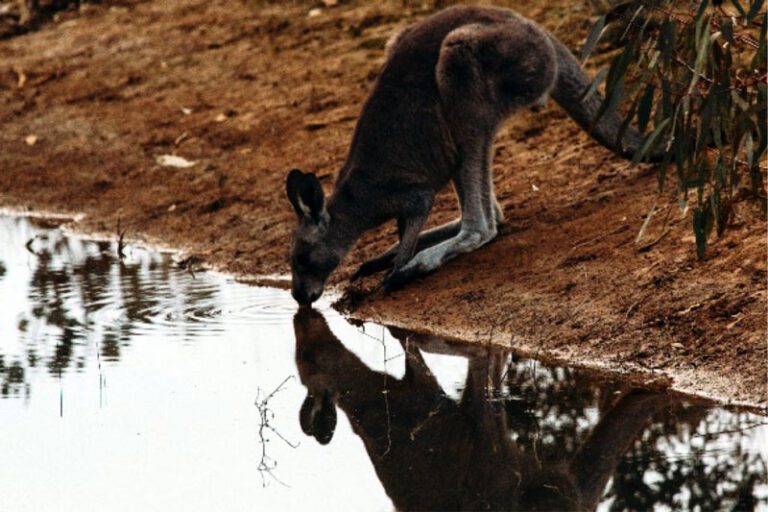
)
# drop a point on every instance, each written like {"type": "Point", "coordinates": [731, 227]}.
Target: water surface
{"type": "Point", "coordinates": [133, 384]}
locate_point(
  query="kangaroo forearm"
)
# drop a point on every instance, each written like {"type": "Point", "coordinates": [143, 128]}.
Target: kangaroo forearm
{"type": "Point", "coordinates": [426, 239]}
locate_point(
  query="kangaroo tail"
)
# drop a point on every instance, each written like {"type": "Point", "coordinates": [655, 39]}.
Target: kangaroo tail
{"type": "Point", "coordinates": [570, 85]}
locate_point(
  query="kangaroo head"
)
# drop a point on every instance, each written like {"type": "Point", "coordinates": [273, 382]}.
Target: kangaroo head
{"type": "Point", "coordinates": [313, 253]}
{"type": "Point", "coordinates": [318, 416]}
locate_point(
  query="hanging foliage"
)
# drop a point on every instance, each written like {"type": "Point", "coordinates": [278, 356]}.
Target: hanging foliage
{"type": "Point", "coordinates": [693, 76]}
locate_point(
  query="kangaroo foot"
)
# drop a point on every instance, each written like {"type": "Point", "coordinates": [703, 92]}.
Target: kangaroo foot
{"type": "Point", "coordinates": [402, 276]}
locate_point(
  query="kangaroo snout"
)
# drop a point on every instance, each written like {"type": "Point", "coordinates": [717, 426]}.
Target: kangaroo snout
{"type": "Point", "coordinates": [305, 295]}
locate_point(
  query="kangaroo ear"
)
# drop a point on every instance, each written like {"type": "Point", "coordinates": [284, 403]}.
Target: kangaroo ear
{"type": "Point", "coordinates": [324, 422]}
{"type": "Point", "coordinates": [305, 415]}
{"type": "Point", "coordinates": [306, 195]}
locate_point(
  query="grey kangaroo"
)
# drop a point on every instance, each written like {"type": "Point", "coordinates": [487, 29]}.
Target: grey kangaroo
{"type": "Point", "coordinates": [447, 84]}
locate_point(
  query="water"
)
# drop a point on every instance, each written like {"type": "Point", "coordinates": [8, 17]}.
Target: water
{"type": "Point", "coordinates": [136, 385]}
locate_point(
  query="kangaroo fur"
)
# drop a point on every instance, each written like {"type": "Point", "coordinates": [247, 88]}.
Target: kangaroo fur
{"type": "Point", "coordinates": [446, 86]}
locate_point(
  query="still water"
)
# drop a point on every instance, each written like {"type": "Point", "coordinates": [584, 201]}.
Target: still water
{"type": "Point", "coordinates": [132, 384]}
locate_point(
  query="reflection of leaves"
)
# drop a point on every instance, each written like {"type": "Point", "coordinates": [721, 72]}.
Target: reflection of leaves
{"type": "Point", "coordinates": [555, 403]}
{"type": "Point", "coordinates": [2, 269]}
{"type": "Point", "coordinates": [549, 412]}
{"type": "Point", "coordinates": [13, 378]}
{"type": "Point", "coordinates": [708, 478]}
{"type": "Point", "coordinates": [71, 282]}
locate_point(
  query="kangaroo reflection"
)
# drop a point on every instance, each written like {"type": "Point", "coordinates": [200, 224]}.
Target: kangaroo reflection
{"type": "Point", "coordinates": [431, 452]}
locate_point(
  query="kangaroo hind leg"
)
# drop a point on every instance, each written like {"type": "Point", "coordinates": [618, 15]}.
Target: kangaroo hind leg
{"type": "Point", "coordinates": [426, 239]}
{"type": "Point", "coordinates": [477, 228]}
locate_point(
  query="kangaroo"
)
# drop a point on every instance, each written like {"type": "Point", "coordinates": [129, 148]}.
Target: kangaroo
{"type": "Point", "coordinates": [432, 453]}
{"type": "Point", "coordinates": [447, 84]}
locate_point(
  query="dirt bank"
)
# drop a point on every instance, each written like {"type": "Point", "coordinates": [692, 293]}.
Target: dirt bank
{"type": "Point", "coordinates": [248, 90]}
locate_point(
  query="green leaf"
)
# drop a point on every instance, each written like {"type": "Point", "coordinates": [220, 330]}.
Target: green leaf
{"type": "Point", "coordinates": [754, 9]}
{"type": "Point", "coordinates": [666, 100]}
{"type": "Point", "coordinates": [599, 77]}
{"type": "Point", "coordinates": [702, 9]}
{"type": "Point", "coordinates": [700, 54]}
{"type": "Point", "coordinates": [705, 120]}
{"type": "Point", "coordinates": [615, 99]}
{"type": "Point", "coordinates": [626, 122]}
{"type": "Point", "coordinates": [593, 38]}
{"type": "Point", "coordinates": [680, 150]}
{"type": "Point", "coordinates": [739, 7]}
{"type": "Point", "coordinates": [644, 110]}
{"type": "Point", "coordinates": [650, 142]}
{"type": "Point", "coordinates": [702, 225]}
{"type": "Point", "coordinates": [762, 53]}
{"type": "Point", "coordinates": [726, 26]}
{"type": "Point", "coordinates": [666, 41]}
{"type": "Point", "coordinates": [614, 87]}
{"type": "Point", "coordinates": [749, 148]}
{"type": "Point", "coordinates": [719, 214]}
{"type": "Point", "coordinates": [698, 231]}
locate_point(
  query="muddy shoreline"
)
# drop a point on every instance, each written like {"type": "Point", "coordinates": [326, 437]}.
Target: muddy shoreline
{"type": "Point", "coordinates": [692, 384]}
{"type": "Point", "coordinates": [247, 92]}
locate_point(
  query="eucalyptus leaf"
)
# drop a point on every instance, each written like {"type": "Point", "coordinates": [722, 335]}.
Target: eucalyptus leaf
{"type": "Point", "coordinates": [593, 38]}
{"type": "Point", "coordinates": [754, 9]}
{"type": "Point", "coordinates": [644, 109]}
{"type": "Point", "coordinates": [739, 7]}
{"type": "Point", "coordinates": [650, 142]}
{"type": "Point", "coordinates": [699, 232]}
{"type": "Point", "coordinates": [599, 78]}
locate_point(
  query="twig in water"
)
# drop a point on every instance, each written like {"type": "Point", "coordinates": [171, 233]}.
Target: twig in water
{"type": "Point", "coordinates": [386, 394]}
{"type": "Point", "coordinates": [28, 246]}
{"type": "Point", "coordinates": [120, 241]}
{"type": "Point", "coordinates": [267, 465]}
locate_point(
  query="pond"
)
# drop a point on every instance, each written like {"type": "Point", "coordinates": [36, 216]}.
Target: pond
{"type": "Point", "coordinates": [130, 383]}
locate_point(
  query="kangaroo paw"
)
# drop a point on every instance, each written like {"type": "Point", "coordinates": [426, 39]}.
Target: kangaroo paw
{"type": "Point", "coordinates": [373, 266]}
{"type": "Point", "coordinates": [402, 276]}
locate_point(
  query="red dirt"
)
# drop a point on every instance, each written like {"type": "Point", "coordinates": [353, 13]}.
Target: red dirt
{"type": "Point", "coordinates": [269, 88]}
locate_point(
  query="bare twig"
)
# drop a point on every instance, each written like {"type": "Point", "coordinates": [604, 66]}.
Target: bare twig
{"type": "Point", "coordinates": [120, 240]}
{"type": "Point", "coordinates": [267, 465]}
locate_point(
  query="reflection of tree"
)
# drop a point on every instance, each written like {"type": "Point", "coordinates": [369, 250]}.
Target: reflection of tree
{"type": "Point", "coordinates": [706, 478]}
{"type": "Point", "coordinates": [83, 298]}
{"type": "Point", "coordinates": [653, 472]}
{"type": "Point", "coordinates": [554, 403]}
{"type": "Point", "coordinates": [13, 378]}
{"type": "Point", "coordinates": [521, 437]}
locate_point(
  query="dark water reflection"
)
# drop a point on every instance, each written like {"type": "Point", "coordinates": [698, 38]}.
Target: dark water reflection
{"type": "Point", "coordinates": [130, 384]}
{"type": "Point", "coordinates": [525, 439]}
